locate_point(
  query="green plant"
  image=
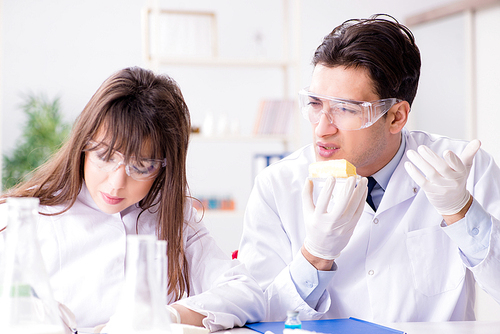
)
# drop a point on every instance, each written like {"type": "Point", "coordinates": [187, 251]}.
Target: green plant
{"type": "Point", "coordinates": [43, 133]}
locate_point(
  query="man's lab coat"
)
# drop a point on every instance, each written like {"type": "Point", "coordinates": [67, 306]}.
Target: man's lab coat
{"type": "Point", "coordinates": [399, 265]}
{"type": "Point", "coordinates": [84, 250]}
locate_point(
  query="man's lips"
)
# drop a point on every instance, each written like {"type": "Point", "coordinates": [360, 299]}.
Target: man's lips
{"type": "Point", "coordinates": [326, 150]}
{"type": "Point", "coordinates": [111, 199]}
{"type": "Point", "coordinates": [326, 147]}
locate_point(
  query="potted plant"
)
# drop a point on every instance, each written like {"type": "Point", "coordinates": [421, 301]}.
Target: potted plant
{"type": "Point", "coordinates": [43, 133]}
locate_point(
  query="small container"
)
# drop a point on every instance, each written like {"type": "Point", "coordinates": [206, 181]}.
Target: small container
{"type": "Point", "coordinates": [292, 320]}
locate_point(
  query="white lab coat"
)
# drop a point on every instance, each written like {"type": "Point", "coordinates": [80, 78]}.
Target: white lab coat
{"type": "Point", "coordinates": [84, 251]}
{"type": "Point", "coordinates": [399, 264]}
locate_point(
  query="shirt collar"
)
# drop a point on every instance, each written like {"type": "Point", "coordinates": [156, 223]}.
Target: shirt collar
{"type": "Point", "coordinates": [384, 175]}
{"type": "Point", "coordinates": [85, 197]}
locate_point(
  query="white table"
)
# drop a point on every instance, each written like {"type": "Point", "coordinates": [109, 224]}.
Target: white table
{"type": "Point", "coordinates": [451, 327]}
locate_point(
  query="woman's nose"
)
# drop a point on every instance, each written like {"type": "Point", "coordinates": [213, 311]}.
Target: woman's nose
{"type": "Point", "coordinates": [118, 177]}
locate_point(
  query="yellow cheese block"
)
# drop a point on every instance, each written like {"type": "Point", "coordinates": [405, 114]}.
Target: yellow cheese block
{"type": "Point", "coordinates": [337, 168]}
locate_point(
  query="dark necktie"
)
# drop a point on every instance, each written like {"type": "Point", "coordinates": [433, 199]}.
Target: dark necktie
{"type": "Point", "coordinates": [369, 200]}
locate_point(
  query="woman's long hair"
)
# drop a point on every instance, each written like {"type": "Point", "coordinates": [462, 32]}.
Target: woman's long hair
{"type": "Point", "coordinates": [134, 107]}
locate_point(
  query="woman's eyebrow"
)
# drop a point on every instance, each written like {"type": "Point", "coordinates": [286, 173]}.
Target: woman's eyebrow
{"type": "Point", "coordinates": [107, 146]}
{"type": "Point", "coordinates": [98, 143]}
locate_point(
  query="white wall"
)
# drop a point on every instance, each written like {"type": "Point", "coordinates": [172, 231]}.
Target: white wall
{"type": "Point", "coordinates": [488, 83]}
{"type": "Point", "coordinates": [440, 105]}
{"type": "Point", "coordinates": [63, 48]}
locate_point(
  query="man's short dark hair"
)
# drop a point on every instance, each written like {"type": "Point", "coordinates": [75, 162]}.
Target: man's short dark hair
{"type": "Point", "coordinates": [380, 44]}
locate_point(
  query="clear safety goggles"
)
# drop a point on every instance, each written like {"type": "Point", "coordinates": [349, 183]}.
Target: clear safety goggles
{"type": "Point", "coordinates": [140, 170]}
{"type": "Point", "coordinates": [343, 114]}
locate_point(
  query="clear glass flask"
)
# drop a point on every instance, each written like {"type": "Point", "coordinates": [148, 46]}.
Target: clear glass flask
{"type": "Point", "coordinates": [162, 268]}
{"type": "Point", "coordinates": [141, 309]}
{"type": "Point", "coordinates": [292, 320]}
{"type": "Point", "coordinates": [26, 301]}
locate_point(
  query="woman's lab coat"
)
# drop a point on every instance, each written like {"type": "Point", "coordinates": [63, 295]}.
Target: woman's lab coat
{"type": "Point", "coordinates": [399, 264]}
{"type": "Point", "coordinates": [84, 250]}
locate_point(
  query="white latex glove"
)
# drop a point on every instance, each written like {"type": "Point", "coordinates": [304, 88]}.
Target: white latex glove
{"type": "Point", "coordinates": [445, 178]}
{"type": "Point", "coordinates": [327, 233]}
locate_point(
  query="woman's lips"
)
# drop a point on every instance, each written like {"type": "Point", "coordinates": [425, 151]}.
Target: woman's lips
{"type": "Point", "coordinates": [112, 200]}
{"type": "Point", "coordinates": [326, 150]}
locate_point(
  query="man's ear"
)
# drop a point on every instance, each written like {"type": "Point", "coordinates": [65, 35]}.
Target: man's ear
{"type": "Point", "coordinates": [398, 116]}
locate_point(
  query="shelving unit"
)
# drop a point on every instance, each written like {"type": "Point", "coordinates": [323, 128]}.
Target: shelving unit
{"type": "Point", "coordinates": [151, 37]}
{"type": "Point", "coordinates": [226, 226]}
{"type": "Point", "coordinates": [283, 139]}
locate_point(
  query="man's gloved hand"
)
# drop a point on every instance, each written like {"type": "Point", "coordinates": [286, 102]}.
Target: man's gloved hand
{"type": "Point", "coordinates": [327, 233]}
{"type": "Point", "coordinates": [445, 178]}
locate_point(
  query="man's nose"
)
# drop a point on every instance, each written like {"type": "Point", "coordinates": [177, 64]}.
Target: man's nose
{"type": "Point", "coordinates": [324, 127]}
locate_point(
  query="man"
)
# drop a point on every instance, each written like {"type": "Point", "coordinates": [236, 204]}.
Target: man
{"type": "Point", "coordinates": [433, 230]}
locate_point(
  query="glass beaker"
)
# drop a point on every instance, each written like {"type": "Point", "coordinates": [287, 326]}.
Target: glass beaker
{"type": "Point", "coordinates": [162, 268]}
{"type": "Point", "coordinates": [26, 301]}
{"type": "Point", "coordinates": [292, 320]}
{"type": "Point", "coordinates": [141, 308]}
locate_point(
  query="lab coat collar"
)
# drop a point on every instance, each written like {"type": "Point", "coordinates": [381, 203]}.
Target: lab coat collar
{"type": "Point", "coordinates": [85, 197]}
{"type": "Point", "coordinates": [400, 186]}
{"type": "Point", "coordinates": [384, 175]}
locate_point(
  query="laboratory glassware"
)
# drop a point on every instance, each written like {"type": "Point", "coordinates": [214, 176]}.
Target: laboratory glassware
{"type": "Point", "coordinates": [162, 268]}
{"type": "Point", "coordinates": [292, 320]}
{"type": "Point", "coordinates": [141, 308]}
{"type": "Point", "coordinates": [27, 305]}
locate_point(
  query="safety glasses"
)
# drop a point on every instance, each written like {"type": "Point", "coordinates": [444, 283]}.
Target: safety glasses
{"type": "Point", "coordinates": [343, 114]}
{"type": "Point", "coordinates": [138, 169]}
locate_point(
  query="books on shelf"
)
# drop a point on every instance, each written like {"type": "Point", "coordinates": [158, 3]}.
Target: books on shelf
{"type": "Point", "coordinates": [202, 203]}
{"type": "Point", "coordinates": [274, 117]}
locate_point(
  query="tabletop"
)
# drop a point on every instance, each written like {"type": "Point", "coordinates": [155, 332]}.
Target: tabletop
{"type": "Point", "coordinates": [450, 327]}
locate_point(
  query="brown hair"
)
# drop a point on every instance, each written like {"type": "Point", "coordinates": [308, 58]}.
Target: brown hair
{"type": "Point", "coordinates": [134, 106]}
{"type": "Point", "coordinates": [384, 47]}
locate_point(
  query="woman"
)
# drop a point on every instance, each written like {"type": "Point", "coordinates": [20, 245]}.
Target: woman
{"type": "Point", "coordinates": [123, 171]}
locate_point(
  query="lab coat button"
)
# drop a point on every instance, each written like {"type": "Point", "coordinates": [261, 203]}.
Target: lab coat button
{"type": "Point", "coordinates": [475, 231]}
{"type": "Point", "coordinates": [415, 190]}
{"type": "Point", "coordinates": [371, 272]}
{"type": "Point", "coordinates": [375, 221]}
